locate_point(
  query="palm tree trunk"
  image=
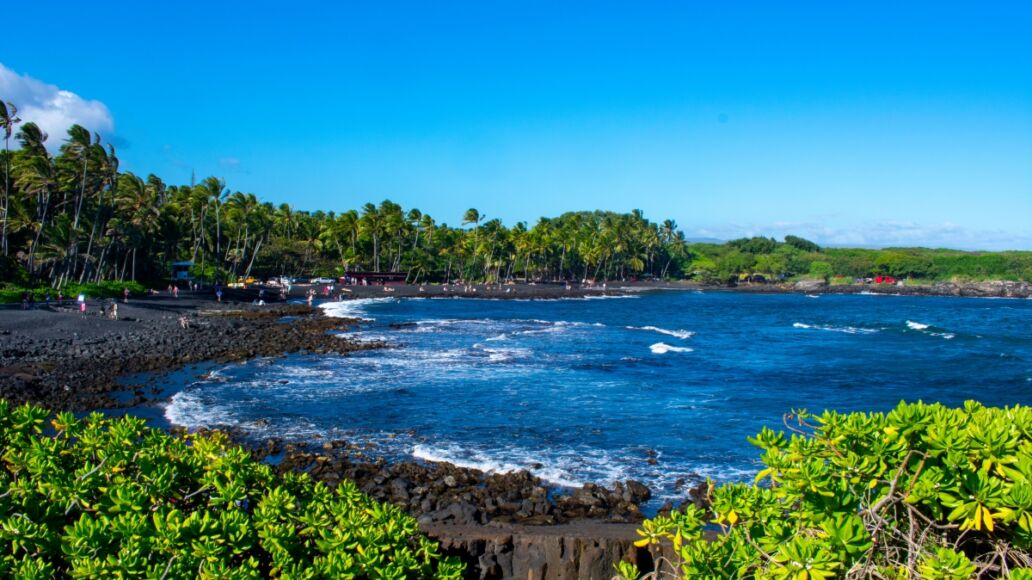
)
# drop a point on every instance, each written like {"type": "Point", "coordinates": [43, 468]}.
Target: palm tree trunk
{"type": "Point", "coordinates": [7, 189]}
{"type": "Point", "coordinates": [376, 253]}
{"type": "Point", "coordinates": [254, 255]}
{"type": "Point", "coordinates": [562, 262]}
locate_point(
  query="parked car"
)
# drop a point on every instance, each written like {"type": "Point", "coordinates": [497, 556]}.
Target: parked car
{"type": "Point", "coordinates": [323, 281]}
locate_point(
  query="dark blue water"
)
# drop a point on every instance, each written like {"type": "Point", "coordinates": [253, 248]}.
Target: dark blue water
{"type": "Point", "coordinates": [589, 390]}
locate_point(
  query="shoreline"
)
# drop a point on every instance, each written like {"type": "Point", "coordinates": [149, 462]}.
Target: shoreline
{"type": "Point", "coordinates": [482, 517]}
{"type": "Point", "coordinates": [61, 360]}
{"type": "Point", "coordinates": [550, 291]}
{"type": "Point", "coordinates": [993, 289]}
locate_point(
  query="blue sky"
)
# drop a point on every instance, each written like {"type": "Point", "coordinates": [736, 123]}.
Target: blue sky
{"type": "Point", "coordinates": [854, 123]}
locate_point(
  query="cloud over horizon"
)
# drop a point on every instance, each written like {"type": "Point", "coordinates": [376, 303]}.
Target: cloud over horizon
{"type": "Point", "coordinates": [52, 108]}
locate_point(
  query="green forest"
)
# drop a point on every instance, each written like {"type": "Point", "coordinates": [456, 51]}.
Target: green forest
{"type": "Point", "coordinates": [74, 218]}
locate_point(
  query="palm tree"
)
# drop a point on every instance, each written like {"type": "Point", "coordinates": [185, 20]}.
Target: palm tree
{"type": "Point", "coordinates": [215, 191]}
{"type": "Point", "coordinates": [394, 226]}
{"type": "Point", "coordinates": [109, 174]}
{"type": "Point", "coordinates": [137, 202]}
{"type": "Point", "coordinates": [414, 217]}
{"type": "Point", "coordinates": [372, 224]}
{"type": "Point", "coordinates": [472, 216]}
{"type": "Point", "coordinates": [8, 119]}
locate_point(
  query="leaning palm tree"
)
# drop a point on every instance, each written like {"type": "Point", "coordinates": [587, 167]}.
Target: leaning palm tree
{"type": "Point", "coordinates": [35, 177]}
{"type": "Point", "coordinates": [8, 119]}
{"type": "Point", "coordinates": [109, 176]}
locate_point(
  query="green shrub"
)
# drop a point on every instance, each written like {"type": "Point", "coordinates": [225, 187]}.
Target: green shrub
{"type": "Point", "coordinates": [923, 491]}
{"type": "Point", "coordinates": [106, 289]}
{"type": "Point", "coordinates": [101, 498]}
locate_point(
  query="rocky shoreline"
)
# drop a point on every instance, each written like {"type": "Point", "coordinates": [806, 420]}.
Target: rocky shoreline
{"type": "Point", "coordinates": [65, 361]}
{"type": "Point", "coordinates": [59, 359]}
{"type": "Point", "coordinates": [500, 524]}
{"type": "Point", "coordinates": [442, 493]}
{"type": "Point", "coordinates": [991, 289]}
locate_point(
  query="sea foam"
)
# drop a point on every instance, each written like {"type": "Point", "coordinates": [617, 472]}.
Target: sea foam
{"type": "Point", "coordinates": [351, 308]}
{"type": "Point", "coordinates": [830, 328]}
{"type": "Point", "coordinates": [682, 334]}
{"type": "Point", "coordinates": [471, 459]}
{"type": "Point", "coordinates": [663, 348]}
{"type": "Point", "coordinates": [185, 409]}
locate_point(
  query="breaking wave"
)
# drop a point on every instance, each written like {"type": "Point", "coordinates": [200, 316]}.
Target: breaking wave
{"type": "Point", "coordinates": [663, 348]}
{"type": "Point", "coordinates": [351, 308]}
{"type": "Point", "coordinates": [831, 328]}
{"type": "Point", "coordinates": [682, 334]}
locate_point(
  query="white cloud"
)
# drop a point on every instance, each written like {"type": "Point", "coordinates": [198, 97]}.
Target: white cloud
{"type": "Point", "coordinates": [880, 234]}
{"type": "Point", "coordinates": [52, 108]}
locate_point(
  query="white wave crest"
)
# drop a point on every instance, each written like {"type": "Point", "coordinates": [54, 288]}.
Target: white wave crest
{"type": "Point", "coordinates": [350, 308]}
{"type": "Point", "coordinates": [185, 409]}
{"type": "Point", "coordinates": [682, 334]}
{"type": "Point", "coordinates": [600, 297]}
{"type": "Point", "coordinates": [473, 459]}
{"type": "Point", "coordinates": [496, 355]}
{"type": "Point", "coordinates": [917, 325]}
{"type": "Point", "coordinates": [363, 337]}
{"type": "Point", "coordinates": [830, 328]}
{"type": "Point", "coordinates": [663, 348]}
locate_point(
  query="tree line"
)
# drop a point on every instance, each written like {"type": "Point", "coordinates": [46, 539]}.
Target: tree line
{"type": "Point", "coordinates": [74, 217]}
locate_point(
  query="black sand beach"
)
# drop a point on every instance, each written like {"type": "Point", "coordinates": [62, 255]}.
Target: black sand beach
{"type": "Point", "coordinates": [56, 357]}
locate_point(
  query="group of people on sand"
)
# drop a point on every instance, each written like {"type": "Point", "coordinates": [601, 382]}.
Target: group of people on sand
{"type": "Point", "coordinates": [329, 292]}
{"type": "Point", "coordinates": [108, 308]}
{"type": "Point", "coordinates": [28, 301]}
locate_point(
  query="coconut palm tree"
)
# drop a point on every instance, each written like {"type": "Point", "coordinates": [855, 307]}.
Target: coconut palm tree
{"type": "Point", "coordinates": [137, 203]}
{"type": "Point", "coordinates": [372, 225]}
{"type": "Point", "coordinates": [214, 190]}
{"type": "Point", "coordinates": [108, 172]}
{"type": "Point", "coordinates": [35, 178]}
{"type": "Point", "coordinates": [8, 119]}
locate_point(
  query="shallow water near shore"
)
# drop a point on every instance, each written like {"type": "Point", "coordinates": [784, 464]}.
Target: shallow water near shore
{"type": "Point", "coordinates": [656, 387]}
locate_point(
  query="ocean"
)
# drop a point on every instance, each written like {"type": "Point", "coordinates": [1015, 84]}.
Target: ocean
{"type": "Point", "coordinates": [662, 387]}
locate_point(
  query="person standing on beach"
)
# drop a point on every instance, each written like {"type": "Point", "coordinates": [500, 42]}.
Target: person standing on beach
{"type": "Point", "coordinates": [175, 291]}
{"type": "Point", "coordinates": [125, 295]}
{"type": "Point", "coordinates": [82, 305]}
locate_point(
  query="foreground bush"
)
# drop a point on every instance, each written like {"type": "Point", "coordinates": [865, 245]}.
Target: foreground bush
{"type": "Point", "coordinates": [921, 492]}
{"type": "Point", "coordinates": [108, 289]}
{"type": "Point", "coordinates": [104, 498]}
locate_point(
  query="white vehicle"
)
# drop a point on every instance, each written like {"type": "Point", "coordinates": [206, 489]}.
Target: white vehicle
{"type": "Point", "coordinates": [323, 280]}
